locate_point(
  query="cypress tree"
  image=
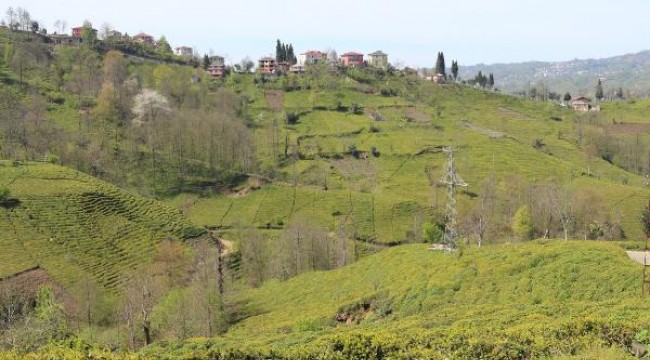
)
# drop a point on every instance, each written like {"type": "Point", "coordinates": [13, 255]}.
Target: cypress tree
{"type": "Point", "coordinates": [278, 51]}
{"type": "Point", "coordinates": [491, 81]}
{"type": "Point", "coordinates": [599, 91]}
{"type": "Point", "coordinates": [206, 61]}
{"type": "Point", "coordinates": [454, 69]}
{"type": "Point", "coordinates": [440, 64]}
{"type": "Point", "coordinates": [291, 57]}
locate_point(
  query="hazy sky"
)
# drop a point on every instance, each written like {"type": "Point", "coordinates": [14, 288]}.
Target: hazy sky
{"type": "Point", "coordinates": [413, 31]}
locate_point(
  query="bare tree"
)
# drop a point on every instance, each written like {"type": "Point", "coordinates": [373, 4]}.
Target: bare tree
{"type": "Point", "coordinates": [11, 16]}
{"type": "Point", "coordinates": [561, 202]}
{"type": "Point", "coordinates": [485, 207]}
{"type": "Point", "coordinates": [141, 293]}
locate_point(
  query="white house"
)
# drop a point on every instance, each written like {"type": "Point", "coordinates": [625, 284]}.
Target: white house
{"type": "Point", "coordinates": [184, 51]}
{"type": "Point", "coordinates": [312, 57]}
{"type": "Point", "coordinates": [378, 59]}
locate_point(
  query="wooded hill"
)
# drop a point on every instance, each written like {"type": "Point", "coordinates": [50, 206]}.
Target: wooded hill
{"type": "Point", "coordinates": [630, 72]}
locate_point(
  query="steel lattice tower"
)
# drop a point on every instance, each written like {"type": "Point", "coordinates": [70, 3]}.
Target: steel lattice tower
{"type": "Point", "coordinates": [451, 180]}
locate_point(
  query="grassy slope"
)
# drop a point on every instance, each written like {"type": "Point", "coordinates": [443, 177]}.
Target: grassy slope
{"type": "Point", "coordinates": [388, 192]}
{"type": "Point", "coordinates": [72, 224]}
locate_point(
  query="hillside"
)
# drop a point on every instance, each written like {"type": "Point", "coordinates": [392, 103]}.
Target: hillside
{"type": "Point", "coordinates": [578, 77]}
{"type": "Point", "coordinates": [335, 169]}
{"type": "Point", "coordinates": [73, 226]}
{"type": "Point", "coordinates": [331, 176]}
{"type": "Point", "coordinates": [544, 299]}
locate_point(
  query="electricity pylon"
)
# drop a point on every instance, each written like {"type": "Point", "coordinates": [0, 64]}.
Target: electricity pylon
{"type": "Point", "coordinates": [451, 180]}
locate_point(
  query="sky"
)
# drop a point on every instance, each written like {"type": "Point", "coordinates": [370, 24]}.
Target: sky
{"type": "Point", "coordinates": [412, 32]}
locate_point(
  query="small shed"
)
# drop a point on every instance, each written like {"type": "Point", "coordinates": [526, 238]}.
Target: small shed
{"type": "Point", "coordinates": [581, 104]}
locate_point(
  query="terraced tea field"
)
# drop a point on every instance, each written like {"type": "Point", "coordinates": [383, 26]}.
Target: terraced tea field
{"type": "Point", "coordinates": [72, 225]}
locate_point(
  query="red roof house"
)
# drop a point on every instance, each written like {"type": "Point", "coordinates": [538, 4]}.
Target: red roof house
{"type": "Point", "coordinates": [353, 59]}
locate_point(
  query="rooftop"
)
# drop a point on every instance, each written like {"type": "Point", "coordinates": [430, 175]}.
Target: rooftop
{"type": "Point", "coordinates": [313, 52]}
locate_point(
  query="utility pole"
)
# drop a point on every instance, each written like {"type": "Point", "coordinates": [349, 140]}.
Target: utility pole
{"type": "Point", "coordinates": [451, 180]}
{"type": "Point", "coordinates": [645, 285]}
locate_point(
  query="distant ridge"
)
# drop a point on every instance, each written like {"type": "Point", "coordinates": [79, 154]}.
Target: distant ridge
{"type": "Point", "coordinates": [578, 76]}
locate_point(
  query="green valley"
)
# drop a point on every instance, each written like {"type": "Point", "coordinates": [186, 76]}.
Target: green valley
{"type": "Point", "coordinates": [152, 207]}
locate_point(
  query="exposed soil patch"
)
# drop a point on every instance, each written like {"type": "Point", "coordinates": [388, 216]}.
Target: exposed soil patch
{"type": "Point", "coordinates": [24, 286]}
{"type": "Point", "coordinates": [412, 114]}
{"type": "Point", "coordinates": [493, 134]}
{"type": "Point", "coordinates": [628, 128]}
{"type": "Point", "coordinates": [275, 99]}
{"type": "Point", "coordinates": [514, 114]}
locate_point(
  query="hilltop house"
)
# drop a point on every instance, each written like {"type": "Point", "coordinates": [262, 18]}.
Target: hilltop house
{"type": "Point", "coordinates": [297, 69]}
{"type": "Point", "coordinates": [63, 39]}
{"type": "Point", "coordinates": [184, 51]}
{"type": "Point", "coordinates": [143, 38]}
{"type": "Point", "coordinates": [378, 59]}
{"type": "Point", "coordinates": [113, 34]}
{"type": "Point", "coordinates": [352, 59]}
{"type": "Point", "coordinates": [78, 31]}
{"type": "Point", "coordinates": [267, 65]}
{"type": "Point", "coordinates": [312, 57]}
{"type": "Point", "coordinates": [437, 78]}
{"type": "Point", "coordinates": [217, 67]}
{"type": "Point", "coordinates": [581, 104]}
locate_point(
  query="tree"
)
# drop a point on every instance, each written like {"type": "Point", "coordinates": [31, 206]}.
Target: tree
{"type": "Point", "coordinates": [247, 64]}
{"type": "Point", "coordinates": [163, 46]}
{"type": "Point", "coordinates": [562, 203]}
{"type": "Point", "coordinates": [279, 55]}
{"type": "Point", "coordinates": [206, 61]}
{"type": "Point", "coordinates": [34, 26]}
{"type": "Point", "coordinates": [148, 107]}
{"type": "Point", "coordinates": [291, 57]}
{"type": "Point", "coordinates": [105, 31]}
{"type": "Point", "coordinates": [620, 94]}
{"type": "Point", "coordinates": [567, 97]}
{"type": "Point", "coordinates": [522, 223]}
{"type": "Point", "coordinates": [454, 69]}
{"type": "Point", "coordinates": [440, 65]}
{"type": "Point", "coordinates": [490, 81]}
{"type": "Point", "coordinates": [4, 192]}
{"type": "Point", "coordinates": [60, 26]}
{"type": "Point", "coordinates": [24, 19]}
{"type": "Point", "coordinates": [433, 233]}
{"type": "Point", "coordinates": [645, 220]}
{"type": "Point", "coordinates": [142, 290]}
{"type": "Point", "coordinates": [600, 95]}
{"type": "Point", "coordinates": [251, 248]}
{"type": "Point", "coordinates": [88, 34]}
{"type": "Point", "coordinates": [482, 214]}
{"type": "Point", "coordinates": [11, 16]}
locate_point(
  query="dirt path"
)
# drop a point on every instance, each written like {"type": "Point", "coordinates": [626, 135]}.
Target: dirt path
{"type": "Point", "coordinates": [639, 256]}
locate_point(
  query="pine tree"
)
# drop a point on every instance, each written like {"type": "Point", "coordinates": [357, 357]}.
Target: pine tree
{"type": "Point", "coordinates": [490, 82]}
{"type": "Point", "coordinates": [454, 69]}
{"type": "Point", "coordinates": [600, 95]}
{"type": "Point", "coordinates": [440, 65]}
